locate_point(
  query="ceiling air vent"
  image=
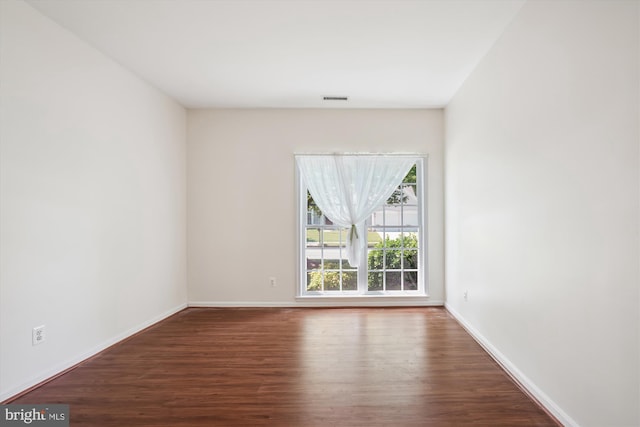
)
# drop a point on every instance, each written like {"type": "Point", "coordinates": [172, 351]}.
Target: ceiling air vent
{"type": "Point", "coordinates": [335, 98]}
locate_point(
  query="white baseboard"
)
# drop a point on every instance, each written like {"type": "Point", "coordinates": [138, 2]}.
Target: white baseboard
{"type": "Point", "coordinates": [61, 367]}
{"type": "Point", "coordinates": [222, 304]}
{"type": "Point", "coordinates": [514, 372]}
{"type": "Point", "coordinates": [320, 302]}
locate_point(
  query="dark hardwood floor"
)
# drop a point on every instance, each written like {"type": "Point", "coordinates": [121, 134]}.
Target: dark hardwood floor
{"type": "Point", "coordinates": [294, 367]}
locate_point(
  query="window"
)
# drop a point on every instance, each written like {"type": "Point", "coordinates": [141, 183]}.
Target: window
{"type": "Point", "coordinates": [392, 262]}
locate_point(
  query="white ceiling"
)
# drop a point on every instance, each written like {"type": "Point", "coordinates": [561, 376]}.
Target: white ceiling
{"type": "Point", "coordinates": [291, 53]}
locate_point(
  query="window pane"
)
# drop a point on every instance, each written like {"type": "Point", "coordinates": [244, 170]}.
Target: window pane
{"type": "Point", "coordinates": [314, 215]}
{"type": "Point", "coordinates": [313, 237]}
{"type": "Point", "coordinates": [410, 215]}
{"type": "Point", "coordinates": [393, 239]}
{"type": "Point", "coordinates": [410, 280]}
{"type": "Point", "coordinates": [393, 217]}
{"type": "Point", "coordinates": [375, 281]}
{"type": "Point", "coordinates": [374, 259]}
{"type": "Point", "coordinates": [331, 280]}
{"type": "Point", "coordinates": [410, 259]}
{"type": "Point", "coordinates": [350, 280]}
{"type": "Point", "coordinates": [374, 237]}
{"type": "Point", "coordinates": [314, 280]}
{"type": "Point", "coordinates": [314, 258]}
{"type": "Point", "coordinates": [394, 281]}
{"type": "Point", "coordinates": [332, 256]}
{"type": "Point", "coordinates": [409, 239]}
{"type": "Point", "coordinates": [331, 264]}
{"type": "Point", "coordinates": [412, 175]}
{"type": "Point", "coordinates": [331, 238]}
{"type": "Point", "coordinates": [392, 259]}
{"type": "Point", "coordinates": [409, 194]}
{"type": "Point", "coordinates": [396, 198]}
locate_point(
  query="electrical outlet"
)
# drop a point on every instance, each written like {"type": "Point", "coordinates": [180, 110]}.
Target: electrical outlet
{"type": "Point", "coordinates": [272, 282]}
{"type": "Point", "coordinates": [38, 335]}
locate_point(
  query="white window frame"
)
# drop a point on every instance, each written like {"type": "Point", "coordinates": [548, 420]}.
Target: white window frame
{"type": "Point", "coordinates": [362, 291]}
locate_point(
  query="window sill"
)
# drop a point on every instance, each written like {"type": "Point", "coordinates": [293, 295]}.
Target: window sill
{"type": "Point", "coordinates": [371, 295]}
{"type": "Point", "coordinates": [367, 300]}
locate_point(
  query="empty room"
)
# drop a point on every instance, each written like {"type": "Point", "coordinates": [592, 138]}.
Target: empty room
{"type": "Point", "coordinates": [320, 212]}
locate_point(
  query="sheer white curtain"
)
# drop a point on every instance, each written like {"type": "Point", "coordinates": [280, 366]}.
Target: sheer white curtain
{"type": "Point", "coordinates": [348, 188]}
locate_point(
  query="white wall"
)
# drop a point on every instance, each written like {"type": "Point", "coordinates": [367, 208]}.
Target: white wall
{"type": "Point", "coordinates": [542, 206]}
{"type": "Point", "coordinates": [241, 192]}
{"type": "Point", "coordinates": [93, 199]}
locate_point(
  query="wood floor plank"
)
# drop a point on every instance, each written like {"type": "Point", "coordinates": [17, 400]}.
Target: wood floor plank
{"type": "Point", "coordinates": [295, 367]}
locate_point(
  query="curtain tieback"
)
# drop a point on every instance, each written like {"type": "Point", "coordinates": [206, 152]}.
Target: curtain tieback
{"type": "Point", "coordinates": [354, 231]}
